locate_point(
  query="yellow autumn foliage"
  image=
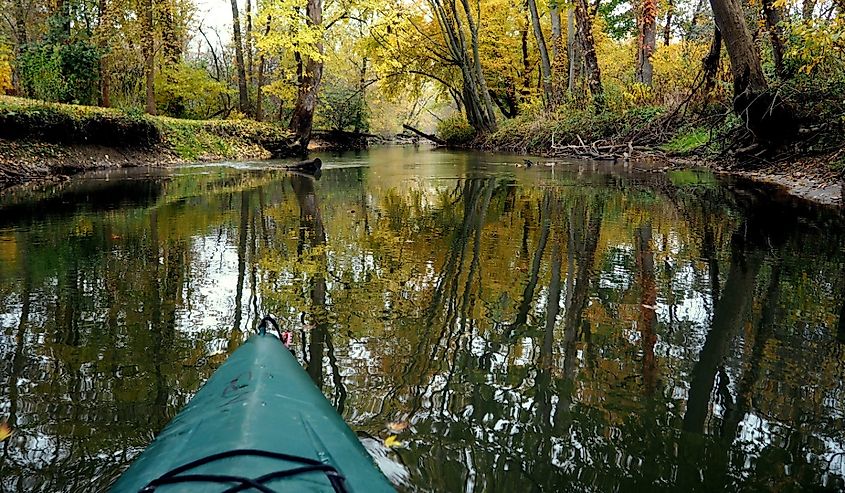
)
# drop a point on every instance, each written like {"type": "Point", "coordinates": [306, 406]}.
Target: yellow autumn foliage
{"type": "Point", "coordinates": [822, 46]}
{"type": "Point", "coordinates": [5, 70]}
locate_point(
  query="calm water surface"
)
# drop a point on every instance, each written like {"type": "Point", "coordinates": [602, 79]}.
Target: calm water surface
{"type": "Point", "coordinates": [559, 329]}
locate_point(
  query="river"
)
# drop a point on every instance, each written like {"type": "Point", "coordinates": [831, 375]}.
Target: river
{"type": "Point", "coordinates": [560, 328]}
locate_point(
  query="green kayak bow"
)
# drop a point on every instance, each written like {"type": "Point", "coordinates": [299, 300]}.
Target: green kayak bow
{"type": "Point", "coordinates": [258, 424]}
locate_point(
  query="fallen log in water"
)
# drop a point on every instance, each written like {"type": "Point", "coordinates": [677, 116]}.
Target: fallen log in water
{"type": "Point", "coordinates": [424, 135]}
{"type": "Point", "coordinates": [307, 166]}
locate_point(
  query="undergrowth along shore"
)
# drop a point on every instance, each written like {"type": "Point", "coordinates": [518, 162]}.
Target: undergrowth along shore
{"type": "Point", "coordinates": [42, 140]}
{"type": "Point", "coordinates": [655, 133]}
{"type": "Point", "coordinates": [25, 121]}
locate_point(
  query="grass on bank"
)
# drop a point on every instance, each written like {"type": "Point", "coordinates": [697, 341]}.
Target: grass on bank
{"type": "Point", "coordinates": [190, 140]}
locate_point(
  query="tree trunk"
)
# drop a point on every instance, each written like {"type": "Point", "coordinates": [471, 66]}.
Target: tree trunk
{"type": "Point", "coordinates": [482, 82]}
{"type": "Point", "coordinates": [309, 87]}
{"type": "Point", "coordinates": [250, 73]}
{"type": "Point", "coordinates": [559, 69]}
{"type": "Point", "coordinates": [362, 93]}
{"type": "Point", "coordinates": [105, 87]}
{"type": "Point", "coordinates": [588, 49]}
{"type": "Point", "coordinates": [243, 95]}
{"type": "Point", "coordinates": [647, 22]}
{"type": "Point", "coordinates": [20, 25]}
{"type": "Point", "coordinates": [104, 28]}
{"type": "Point", "coordinates": [557, 32]}
{"type": "Point", "coordinates": [571, 50]}
{"type": "Point", "coordinates": [545, 63]}
{"type": "Point", "coordinates": [259, 104]}
{"type": "Point", "coordinates": [171, 47]}
{"type": "Point", "coordinates": [526, 61]}
{"type": "Point", "coordinates": [667, 29]}
{"type": "Point", "coordinates": [476, 97]}
{"type": "Point", "coordinates": [840, 328]}
{"type": "Point", "coordinates": [170, 38]}
{"type": "Point", "coordinates": [63, 13]}
{"type": "Point", "coordinates": [22, 88]}
{"type": "Point", "coordinates": [745, 62]}
{"type": "Point", "coordinates": [148, 47]}
{"type": "Point", "coordinates": [769, 119]}
{"type": "Point", "coordinates": [710, 64]}
{"type": "Point", "coordinates": [772, 15]}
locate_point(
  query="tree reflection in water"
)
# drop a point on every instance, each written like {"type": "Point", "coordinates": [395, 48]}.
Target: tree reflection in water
{"type": "Point", "coordinates": [584, 331]}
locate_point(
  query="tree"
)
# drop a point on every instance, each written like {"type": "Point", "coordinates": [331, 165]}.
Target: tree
{"type": "Point", "coordinates": [475, 96]}
{"type": "Point", "coordinates": [646, 37]}
{"type": "Point", "coordinates": [104, 30]}
{"type": "Point", "coordinates": [259, 87]}
{"type": "Point", "coordinates": [767, 117]}
{"type": "Point", "coordinates": [309, 81]}
{"type": "Point", "coordinates": [22, 39]}
{"type": "Point", "coordinates": [148, 46]}
{"type": "Point", "coordinates": [588, 49]}
{"type": "Point", "coordinates": [572, 50]}
{"type": "Point", "coordinates": [557, 40]}
{"type": "Point", "coordinates": [772, 16]}
{"type": "Point", "coordinates": [243, 95]}
{"type": "Point", "coordinates": [545, 64]}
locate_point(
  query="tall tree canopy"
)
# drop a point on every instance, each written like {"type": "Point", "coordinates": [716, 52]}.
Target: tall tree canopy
{"type": "Point", "coordinates": [375, 65]}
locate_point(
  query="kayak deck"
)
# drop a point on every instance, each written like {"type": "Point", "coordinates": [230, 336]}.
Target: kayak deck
{"type": "Point", "coordinates": [258, 417]}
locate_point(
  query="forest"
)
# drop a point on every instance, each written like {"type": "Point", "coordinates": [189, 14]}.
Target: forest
{"type": "Point", "coordinates": [749, 80]}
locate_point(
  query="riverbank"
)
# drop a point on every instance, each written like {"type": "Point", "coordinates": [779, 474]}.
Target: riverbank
{"type": "Point", "coordinates": [43, 141]}
{"type": "Point", "coordinates": [47, 140]}
{"type": "Point", "coordinates": [812, 169]}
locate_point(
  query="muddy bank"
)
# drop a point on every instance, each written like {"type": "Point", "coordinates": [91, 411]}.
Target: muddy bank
{"type": "Point", "coordinates": [810, 188]}
{"type": "Point", "coordinates": [810, 178]}
{"type": "Point", "coordinates": [27, 161]}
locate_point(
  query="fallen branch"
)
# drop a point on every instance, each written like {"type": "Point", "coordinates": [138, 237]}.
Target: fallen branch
{"type": "Point", "coordinates": [597, 150]}
{"type": "Point", "coordinates": [424, 135]}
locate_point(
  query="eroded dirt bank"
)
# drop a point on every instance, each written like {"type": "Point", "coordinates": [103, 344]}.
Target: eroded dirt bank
{"type": "Point", "coordinates": [27, 161]}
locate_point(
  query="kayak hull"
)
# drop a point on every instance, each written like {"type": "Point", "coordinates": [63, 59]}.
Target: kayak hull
{"type": "Point", "coordinates": [259, 400]}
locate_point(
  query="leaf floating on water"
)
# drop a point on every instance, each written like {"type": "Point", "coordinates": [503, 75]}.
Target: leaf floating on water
{"type": "Point", "coordinates": [5, 431]}
{"type": "Point", "coordinates": [393, 442]}
{"type": "Point", "coordinates": [397, 426]}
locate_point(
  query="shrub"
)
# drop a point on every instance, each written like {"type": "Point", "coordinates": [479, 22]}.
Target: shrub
{"type": "Point", "coordinates": [5, 68]}
{"type": "Point", "coordinates": [188, 91]}
{"type": "Point", "coordinates": [342, 107]}
{"type": "Point", "coordinates": [65, 73]}
{"type": "Point", "coordinates": [455, 130]}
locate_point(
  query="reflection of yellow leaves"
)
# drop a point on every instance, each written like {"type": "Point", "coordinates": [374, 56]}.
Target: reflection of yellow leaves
{"type": "Point", "coordinates": [83, 227]}
{"type": "Point", "coordinates": [5, 431]}
{"type": "Point", "coordinates": [8, 248]}
{"type": "Point", "coordinates": [398, 426]}
{"type": "Point", "coordinates": [393, 442]}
